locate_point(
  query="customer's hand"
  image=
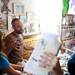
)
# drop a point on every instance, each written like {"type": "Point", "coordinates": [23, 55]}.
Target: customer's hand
{"type": "Point", "coordinates": [16, 72]}
{"type": "Point", "coordinates": [57, 68]}
{"type": "Point", "coordinates": [12, 71]}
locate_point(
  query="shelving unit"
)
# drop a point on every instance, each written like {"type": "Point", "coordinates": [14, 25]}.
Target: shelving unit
{"type": "Point", "coordinates": [68, 29]}
{"type": "Point", "coordinates": [68, 38]}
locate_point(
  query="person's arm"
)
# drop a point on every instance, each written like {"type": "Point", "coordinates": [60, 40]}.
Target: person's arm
{"type": "Point", "coordinates": [57, 68]}
{"type": "Point", "coordinates": [12, 71]}
{"type": "Point", "coordinates": [6, 67]}
{"type": "Point", "coordinates": [17, 67]}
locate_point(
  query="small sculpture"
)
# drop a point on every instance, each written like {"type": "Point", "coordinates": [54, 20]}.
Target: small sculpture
{"type": "Point", "coordinates": [5, 6]}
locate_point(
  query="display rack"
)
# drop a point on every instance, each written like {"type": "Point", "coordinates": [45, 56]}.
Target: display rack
{"type": "Point", "coordinates": [68, 29]}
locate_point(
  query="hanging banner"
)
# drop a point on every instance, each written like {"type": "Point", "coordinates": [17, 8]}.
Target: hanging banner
{"type": "Point", "coordinates": [65, 7]}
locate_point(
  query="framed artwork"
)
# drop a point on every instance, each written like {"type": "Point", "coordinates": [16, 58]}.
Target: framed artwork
{"type": "Point", "coordinates": [19, 8]}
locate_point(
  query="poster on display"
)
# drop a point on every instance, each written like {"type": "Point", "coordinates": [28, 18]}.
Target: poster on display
{"type": "Point", "coordinates": [48, 43]}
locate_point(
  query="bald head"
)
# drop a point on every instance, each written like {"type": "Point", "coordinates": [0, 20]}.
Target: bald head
{"type": "Point", "coordinates": [17, 25]}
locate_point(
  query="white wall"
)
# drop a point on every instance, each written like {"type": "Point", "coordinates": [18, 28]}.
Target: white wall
{"type": "Point", "coordinates": [50, 13]}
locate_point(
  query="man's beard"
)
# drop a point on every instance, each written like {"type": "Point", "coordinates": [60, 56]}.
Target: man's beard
{"type": "Point", "coordinates": [20, 31]}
